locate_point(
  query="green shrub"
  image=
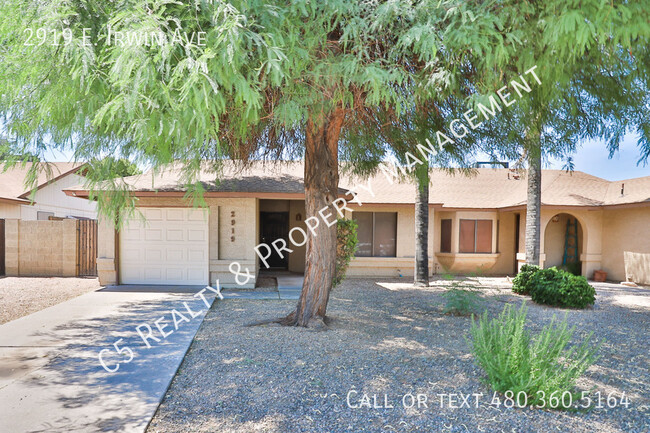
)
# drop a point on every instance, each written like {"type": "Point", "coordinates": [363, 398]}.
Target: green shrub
{"type": "Point", "coordinates": [462, 301]}
{"type": "Point", "coordinates": [346, 246]}
{"type": "Point", "coordinates": [520, 284]}
{"type": "Point", "coordinates": [553, 286]}
{"type": "Point", "coordinates": [541, 366]}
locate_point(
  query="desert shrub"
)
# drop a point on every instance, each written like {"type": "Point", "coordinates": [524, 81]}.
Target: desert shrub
{"type": "Point", "coordinates": [556, 287]}
{"type": "Point", "coordinates": [520, 284]}
{"type": "Point", "coordinates": [460, 301]}
{"type": "Point", "coordinates": [541, 366]}
{"type": "Point", "coordinates": [346, 246]}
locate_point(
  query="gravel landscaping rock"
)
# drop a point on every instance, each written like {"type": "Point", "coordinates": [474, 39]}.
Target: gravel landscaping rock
{"type": "Point", "coordinates": [24, 295]}
{"type": "Point", "coordinates": [387, 338]}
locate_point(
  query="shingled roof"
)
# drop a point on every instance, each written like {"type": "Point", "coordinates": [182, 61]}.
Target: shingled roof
{"type": "Point", "coordinates": [484, 188]}
{"type": "Point", "coordinates": [12, 181]}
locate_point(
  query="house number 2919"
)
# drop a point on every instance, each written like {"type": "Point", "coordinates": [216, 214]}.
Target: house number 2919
{"type": "Point", "coordinates": [232, 226]}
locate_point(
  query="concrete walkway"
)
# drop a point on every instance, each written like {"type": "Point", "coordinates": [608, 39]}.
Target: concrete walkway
{"type": "Point", "coordinates": [51, 379]}
{"type": "Point", "coordinates": [289, 288]}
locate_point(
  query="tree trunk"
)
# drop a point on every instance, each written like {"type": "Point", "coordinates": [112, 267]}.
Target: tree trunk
{"type": "Point", "coordinates": [534, 205]}
{"type": "Point", "coordinates": [421, 277]}
{"type": "Point", "coordinates": [321, 189]}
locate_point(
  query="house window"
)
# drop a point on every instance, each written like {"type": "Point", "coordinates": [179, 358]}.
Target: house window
{"type": "Point", "coordinates": [475, 236]}
{"type": "Point", "coordinates": [43, 216]}
{"type": "Point", "coordinates": [445, 236]}
{"type": "Point", "coordinates": [377, 234]}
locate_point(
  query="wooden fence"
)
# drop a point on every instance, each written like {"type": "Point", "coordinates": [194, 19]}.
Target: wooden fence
{"type": "Point", "coordinates": [87, 248]}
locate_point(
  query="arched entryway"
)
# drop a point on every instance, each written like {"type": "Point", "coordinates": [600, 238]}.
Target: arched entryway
{"type": "Point", "coordinates": [563, 242]}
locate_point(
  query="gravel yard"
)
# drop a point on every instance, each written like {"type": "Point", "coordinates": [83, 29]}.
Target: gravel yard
{"type": "Point", "coordinates": [24, 295]}
{"type": "Point", "coordinates": [391, 340]}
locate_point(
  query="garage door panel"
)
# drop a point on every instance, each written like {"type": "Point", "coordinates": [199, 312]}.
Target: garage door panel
{"type": "Point", "coordinates": [131, 234]}
{"type": "Point", "coordinates": [174, 274]}
{"type": "Point", "coordinates": [170, 248]}
{"type": "Point", "coordinates": [196, 235]}
{"type": "Point", "coordinates": [151, 254]}
{"type": "Point", "coordinates": [175, 214]}
{"type": "Point", "coordinates": [152, 214]}
{"type": "Point", "coordinates": [174, 255]}
{"type": "Point", "coordinates": [153, 235]}
{"type": "Point", "coordinates": [196, 255]}
{"type": "Point", "coordinates": [174, 234]}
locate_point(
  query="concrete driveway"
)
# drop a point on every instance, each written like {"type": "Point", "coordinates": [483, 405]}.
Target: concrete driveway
{"type": "Point", "coordinates": [51, 379]}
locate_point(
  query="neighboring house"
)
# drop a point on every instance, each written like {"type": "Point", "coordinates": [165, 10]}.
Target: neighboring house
{"type": "Point", "coordinates": [476, 224]}
{"type": "Point", "coordinates": [16, 201]}
{"type": "Point", "coordinates": [30, 245]}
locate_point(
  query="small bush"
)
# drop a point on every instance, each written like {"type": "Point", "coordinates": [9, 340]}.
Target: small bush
{"type": "Point", "coordinates": [540, 366]}
{"type": "Point", "coordinates": [520, 284]}
{"type": "Point", "coordinates": [346, 246]}
{"type": "Point", "coordinates": [556, 287]}
{"type": "Point", "coordinates": [461, 301]}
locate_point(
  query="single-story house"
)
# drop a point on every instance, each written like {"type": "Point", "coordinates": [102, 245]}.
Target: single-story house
{"type": "Point", "coordinates": [49, 200]}
{"type": "Point", "coordinates": [476, 224]}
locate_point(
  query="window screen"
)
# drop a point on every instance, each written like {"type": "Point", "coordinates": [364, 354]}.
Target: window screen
{"type": "Point", "coordinates": [364, 233]}
{"type": "Point", "coordinates": [467, 233]}
{"type": "Point", "coordinates": [445, 236]}
{"type": "Point", "coordinates": [385, 241]}
{"type": "Point", "coordinates": [377, 234]}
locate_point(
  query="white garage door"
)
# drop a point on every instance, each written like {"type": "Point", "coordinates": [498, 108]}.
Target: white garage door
{"type": "Point", "coordinates": [171, 247]}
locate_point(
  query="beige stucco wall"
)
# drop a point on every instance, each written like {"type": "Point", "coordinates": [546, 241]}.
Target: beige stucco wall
{"type": "Point", "coordinates": [41, 248]}
{"type": "Point", "coordinates": [624, 230]}
{"type": "Point", "coordinates": [10, 210]}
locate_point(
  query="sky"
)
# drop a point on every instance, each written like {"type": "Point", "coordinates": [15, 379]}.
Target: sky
{"type": "Point", "coordinates": [593, 157]}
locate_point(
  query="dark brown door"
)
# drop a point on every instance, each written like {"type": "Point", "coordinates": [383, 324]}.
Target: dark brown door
{"type": "Point", "coordinates": [2, 247]}
{"type": "Point", "coordinates": [274, 226]}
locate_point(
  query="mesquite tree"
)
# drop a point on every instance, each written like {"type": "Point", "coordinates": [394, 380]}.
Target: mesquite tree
{"type": "Point", "coordinates": [233, 79]}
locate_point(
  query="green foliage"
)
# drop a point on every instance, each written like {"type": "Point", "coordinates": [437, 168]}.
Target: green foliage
{"type": "Point", "coordinates": [462, 299]}
{"type": "Point", "coordinates": [110, 168]}
{"type": "Point", "coordinates": [346, 246]}
{"type": "Point", "coordinates": [521, 283]}
{"type": "Point", "coordinates": [539, 365]}
{"type": "Point", "coordinates": [556, 287]}
{"type": "Point", "coordinates": [553, 286]}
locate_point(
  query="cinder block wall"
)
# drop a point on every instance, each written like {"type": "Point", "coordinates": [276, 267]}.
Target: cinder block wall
{"type": "Point", "coordinates": [41, 248]}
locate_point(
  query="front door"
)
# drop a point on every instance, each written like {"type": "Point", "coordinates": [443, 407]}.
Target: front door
{"type": "Point", "coordinates": [273, 226]}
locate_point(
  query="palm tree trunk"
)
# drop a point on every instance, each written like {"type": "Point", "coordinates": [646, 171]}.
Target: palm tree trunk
{"type": "Point", "coordinates": [534, 206]}
{"type": "Point", "coordinates": [321, 189]}
{"type": "Point", "coordinates": [421, 277]}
